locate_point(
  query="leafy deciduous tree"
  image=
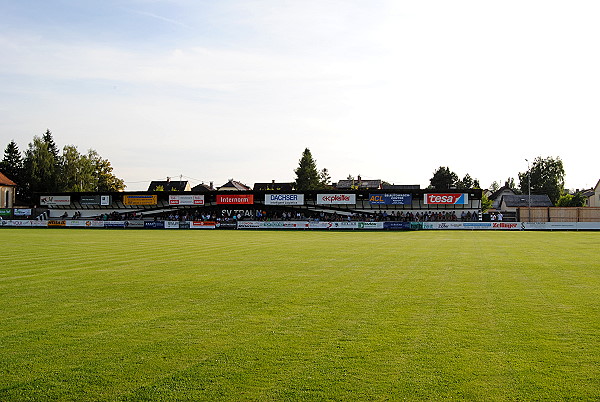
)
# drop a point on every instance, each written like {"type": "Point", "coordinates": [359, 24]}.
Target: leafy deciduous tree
{"type": "Point", "coordinates": [547, 177]}
{"type": "Point", "coordinates": [443, 179]}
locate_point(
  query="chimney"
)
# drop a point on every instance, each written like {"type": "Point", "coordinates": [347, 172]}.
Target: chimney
{"type": "Point", "coordinates": [211, 185]}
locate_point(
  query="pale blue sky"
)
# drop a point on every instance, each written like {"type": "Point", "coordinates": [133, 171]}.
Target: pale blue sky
{"type": "Point", "coordinates": [215, 90]}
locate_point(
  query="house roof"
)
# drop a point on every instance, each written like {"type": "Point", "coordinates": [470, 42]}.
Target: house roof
{"type": "Point", "coordinates": [274, 186]}
{"type": "Point", "coordinates": [232, 185]}
{"type": "Point", "coordinates": [203, 188]}
{"type": "Point", "coordinates": [5, 181]}
{"type": "Point", "coordinates": [362, 184]}
{"type": "Point", "coordinates": [522, 200]}
{"type": "Point", "coordinates": [504, 190]}
{"type": "Point", "coordinates": [169, 185]}
{"type": "Point", "coordinates": [386, 186]}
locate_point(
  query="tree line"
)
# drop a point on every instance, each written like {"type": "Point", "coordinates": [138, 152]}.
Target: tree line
{"type": "Point", "coordinates": [42, 169]}
{"type": "Point", "coordinates": [545, 176]}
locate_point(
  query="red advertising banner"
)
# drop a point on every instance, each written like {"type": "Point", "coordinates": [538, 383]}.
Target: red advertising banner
{"type": "Point", "coordinates": [235, 199]}
{"type": "Point", "coordinates": [446, 198]}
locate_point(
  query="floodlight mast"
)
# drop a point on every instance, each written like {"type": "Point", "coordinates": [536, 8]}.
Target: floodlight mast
{"type": "Point", "coordinates": [529, 194]}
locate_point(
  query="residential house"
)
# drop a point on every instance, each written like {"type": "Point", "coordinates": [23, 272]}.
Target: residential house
{"type": "Point", "coordinates": [8, 189]}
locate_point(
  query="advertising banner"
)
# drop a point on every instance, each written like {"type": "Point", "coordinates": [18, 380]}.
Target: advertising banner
{"type": "Point", "coordinates": [5, 212]}
{"type": "Point", "coordinates": [105, 200]}
{"type": "Point", "coordinates": [135, 224]}
{"type": "Point", "coordinates": [396, 225]}
{"type": "Point", "coordinates": [550, 225]}
{"type": "Point", "coordinates": [336, 199]}
{"type": "Point", "coordinates": [97, 224]}
{"type": "Point", "coordinates": [171, 224]}
{"type": "Point", "coordinates": [273, 225]}
{"type": "Point", "coordinates": [115, 224]}
{"type": "Point", "coordinates": [22, 211]}
{"type": "Point", "coordinates": [345, 225]}
{"type": "Point", "coordinates": [248, 225]}
{"type": "Point", "coordinates": [320, 225]}
{"type": "Point", "coordinates": [235, 199]}
{"type": "Point", "coordinates": [202, 225]}
{"type": "Point", "coordinates": [370, 225]}
{"type": "Point", "coordinates": [56, 223]}
{"type": "Point", "coordinates": [140, 199]}
{"type": "Point", "coordinates": [390, 199]}
{"type": "Point", "coordinates": [20, 223]}
{"type": "Point", "coordinates": [50, 200]}
{"type": "Point", "coordinates": [284, 199]}
{"type": "Point", "coordinates": [89, 200]}
{"type": "Point", "coordinates": [186, 200]}
{"type": "Point", "coordinates": [39, 224]}
{"type": "Point", "coordinates": [78, 224]}
{"type": "Point", "coordinates": [446, 199]}
{"type": "Point", "coordinates": [154, 225]}
{"type": "Point", "coordinates": [226, 225]}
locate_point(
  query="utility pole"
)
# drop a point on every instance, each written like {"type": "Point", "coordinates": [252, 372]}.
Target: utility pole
{"type": "Point", "coordinates": [529, 192]}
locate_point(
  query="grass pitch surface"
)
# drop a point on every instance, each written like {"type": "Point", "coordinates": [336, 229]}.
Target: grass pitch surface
{"type": "Point", "coordinates": [241, 315]}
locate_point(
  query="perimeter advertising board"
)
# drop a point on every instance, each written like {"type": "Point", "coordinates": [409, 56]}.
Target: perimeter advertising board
{"type": "Point", "coordinates": [186, 200]}
{"type": "Point", "coordinates": [5, 212]}
{"type": "Point", "coordinates": [171, 224]}
{"type": "Point", "coordinates": [95, 200]}
{"type": "Point", "coordinates": [51, 200]}
{"type": "Point", "coordinates": [446, 199]}
{"type": "Point", "coordinates": [284, 199]}
{"type": "Point", "coordinates": [22, 211]}
{"type": "Point", "coordinates": [390, 199]}
{"type": "Point", "coordinates": [336, 199]}
{"type": "Point", "coordinates": [235, 199]}
{"type": "Point", "coordinates": [144, 199]}
{"type": "Point", "coordinates": [202, 224]}
{"type": "Point", "coordinates": [154, 225]}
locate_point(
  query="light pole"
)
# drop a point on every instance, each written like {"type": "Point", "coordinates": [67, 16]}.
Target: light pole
{"type": "Point", "coordinates": [529, 193]}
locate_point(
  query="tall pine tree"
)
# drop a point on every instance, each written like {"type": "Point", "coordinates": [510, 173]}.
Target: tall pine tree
{"type": "Point", "coordinates": [307, 176]}
{"type": "Point", "coordinates": [12, 163]}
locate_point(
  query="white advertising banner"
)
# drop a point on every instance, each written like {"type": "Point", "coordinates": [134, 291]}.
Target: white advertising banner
{"type": "Point", "coordinates": [171, 224]}
{"type": "Point", "coordinates": [284, 199]}
{"type": "Point", "coordinates": [22, 211]}
{"type": "Point", "coordinates": [320, 225]}
{"type": "Point", "coordinates": [561, 225]}
{"type": "Point", "coordinates": [77, 224]}
{"type": "Point", "coordinates": [186, 200]}
{"type": "Point", "coordinates": [272, 225]}
{"type": "Point", "coordinates": [344, 225]}
{"type": "Point", "coordinates": [472, 225]}
{"type": "Point", "coordinates": [50, 200]}
{"type": "Point", "coordinates": [336, 199]}
{"type": "Point", "coordinates": [370, 225]}
{"type": "Point", "coordinates": [19, 223]}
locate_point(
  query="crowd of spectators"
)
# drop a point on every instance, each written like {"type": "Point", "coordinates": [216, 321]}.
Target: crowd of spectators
{"type": "Point", "coordinates": [287, 215]}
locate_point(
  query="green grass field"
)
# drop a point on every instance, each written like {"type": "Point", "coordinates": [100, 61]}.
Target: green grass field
{"type": "Point", "coordinates": [241, 315]}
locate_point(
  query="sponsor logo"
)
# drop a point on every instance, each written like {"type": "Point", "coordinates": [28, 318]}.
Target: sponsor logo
{"type": "Point", "coordinates": [57, 223]}
{"type": "Point", "coordinates": [140, 199]}
{"type": "Point", "coordinates": [446, 199]}
{"type": "Point", "coordinates": [202, 225]}
{"type": "Point", "coordinates": [390, 199]}
{"type": "Point", "coordinates": [235, 199]}
{"type": "Point", "coordinates": [502, 225]}
{"type": "Point", "coordinates": [336, 198]}
{"type": "Point", "coordinates": [284, 199]}
{"type": "Point", "coordinates": [55, 200]}
{"type": "Point", "coordinates": [186, 200]}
